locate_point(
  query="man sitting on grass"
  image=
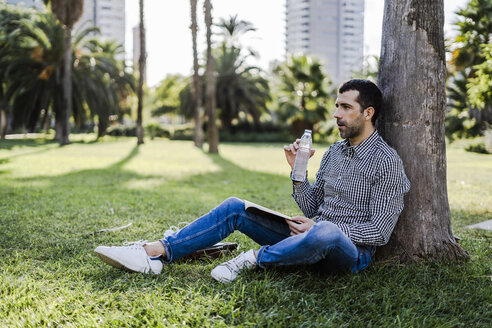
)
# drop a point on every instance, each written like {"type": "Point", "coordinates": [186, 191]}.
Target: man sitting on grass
{"type": "Point", "coordinates": [351, 207]}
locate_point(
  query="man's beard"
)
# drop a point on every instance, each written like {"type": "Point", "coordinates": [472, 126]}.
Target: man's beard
{"type": "Point", "coordinates": [351, 130]}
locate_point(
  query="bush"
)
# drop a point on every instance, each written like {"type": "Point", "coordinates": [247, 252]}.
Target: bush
{"type": "Point", "coordinates": [120, 130]}
{"type": "Point", "coordinates": [487, 140]}
{"type": "Point", "coordinates": [154, 129]}
{"type": "Point", "coordinates": [477, 148]}
{"type": "Point", "coordinates": [282, 136]}
{"type": "Point", "coordinates": [245, 131]}
{"type": "Point", "coordinates": [185, 133]}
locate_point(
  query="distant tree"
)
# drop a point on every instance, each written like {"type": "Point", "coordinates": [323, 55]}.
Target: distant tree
{"type": "Point", "coordinates": [474, 30]}
{"type": "Point", "coordinates": [304, 96]}
{"type": "Point", "coordinates": [232, 29]}
{"type": "Point", "coordinates": [369, 70]}
{"type": "Point", "coordinates": [30, 67]}
{"type": "Point", "coordinates": [459, 122]}
{"type": "Point", "coordinates": [9, 18]}
{"type": "Point", "coordinates": [68, 13]}
{"type": "Point", "coordinates": [239, 87]}
{"type": "Point", "coordinates": [197, 88]}
{"type": "Point", "coordinates": [212, 131]}
{"type": "Point", "coordinates": [141, 71]}
{"type": "Point", "coordinates": [469, 51]}
{"type": "Point", "coordinates": [480, 86]}
{"type": "Point", "coordinates": [167, 93]}
{"type": "Point", "coordinates": [100, 82]}
{"type": "Point", "coordinates": [413, 123]}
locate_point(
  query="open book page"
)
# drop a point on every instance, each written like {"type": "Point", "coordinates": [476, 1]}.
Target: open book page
{"type": "Point", "coordinates": [260, 210]}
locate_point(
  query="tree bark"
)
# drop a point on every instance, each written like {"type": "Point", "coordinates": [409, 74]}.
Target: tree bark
{"type": "Point", "coordinates": [212, 131]}
{"type": "Point", "coordinates": [412, 78]}
{"type": "Point", "coordinates": [67, 89]}
{"type": "Point", "coordinates": [67, 12]}
{"type": "Point", "coordinates": [197, 89]}
{"type": "Point", "coordinates": [141, 70]}
{"type": "Point", "coordinates": [3, 124]}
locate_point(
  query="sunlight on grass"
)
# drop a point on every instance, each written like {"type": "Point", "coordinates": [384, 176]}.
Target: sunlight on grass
{"type": "Point", "coordinates": [56, 160]}
{"type": "Point", "coordinates": [170, 159]}
{"type": "Point", "coordinates": [267, 158]}
{"type": "Point", "coordinates": [469, 180]}
{"type": "Point", "coordinates": [53, 198]}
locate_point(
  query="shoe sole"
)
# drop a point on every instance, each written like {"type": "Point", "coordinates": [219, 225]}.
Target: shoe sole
{"type": "Point", "coordinates": [110, 261]}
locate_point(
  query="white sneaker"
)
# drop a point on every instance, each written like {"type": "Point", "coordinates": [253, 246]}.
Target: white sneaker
{"type": "Point", "coordinates": [228, 271]}
{"type": "Point", "coordinates": [132, 258]}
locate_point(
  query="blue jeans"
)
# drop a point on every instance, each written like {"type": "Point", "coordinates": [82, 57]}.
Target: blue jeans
{"type": "Point", "coordinates": [324, 245]}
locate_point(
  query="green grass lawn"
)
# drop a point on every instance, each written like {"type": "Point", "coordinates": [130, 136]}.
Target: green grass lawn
{"type": "Point", "coordinates": [52, 199]}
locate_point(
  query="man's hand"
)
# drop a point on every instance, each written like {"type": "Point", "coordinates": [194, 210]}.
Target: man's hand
{"type": "Point", "coordinates": [299, 224]}
{"type": "Point", "coordinates": [291, 151]}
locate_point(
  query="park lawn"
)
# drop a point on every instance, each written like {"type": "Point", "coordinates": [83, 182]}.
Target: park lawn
{"type": "Point", "coordinates": [52, 199]}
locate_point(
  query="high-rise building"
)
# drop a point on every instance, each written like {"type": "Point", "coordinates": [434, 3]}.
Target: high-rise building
{"type": "Point", "coordinates": [330, 30]}
{"type": "Point", "coordinates": [108, 16]}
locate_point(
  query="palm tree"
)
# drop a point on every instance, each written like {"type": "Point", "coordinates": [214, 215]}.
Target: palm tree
{"type": "Point", "coordinates": [100, 82]}
{"type": "Point", "coordinates": [240, 88]}
{"type": "Point", "coordinates": [31, 65]}
{"type": "Point", "coordinates": [141, 70]}
{"type": "Point", "coordinates": [459, 123]}
{"type": "Point", "coordinates": [68, 13]}
{"type": "Point", "coordinates": [197, 89]}
{"type": "Point", "coordinates": [33, 69]}
{"type": "Point", "coordinates": [470, 51]}
{"type": "Point", "coordinates": [232, 29]}
{"type": "Point", "coordinates": [303, 93]}
{"type": "Point", "coordinates": [9, 18]}
{"type": "Point", "coordinates": [212, 132]}
{"type": "Point", "coordinates": [474, 27]}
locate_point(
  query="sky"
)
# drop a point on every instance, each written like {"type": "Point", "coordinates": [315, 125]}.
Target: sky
{"type": "Point", "coordinates": [169, 37]}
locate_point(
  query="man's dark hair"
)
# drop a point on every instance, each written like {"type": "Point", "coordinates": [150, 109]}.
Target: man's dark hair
{"type": "Point", "coordinates": [369, 95]}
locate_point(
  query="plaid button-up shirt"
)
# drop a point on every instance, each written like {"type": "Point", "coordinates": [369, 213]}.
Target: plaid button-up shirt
{"type": "Point", "coordinates": [358, 188]}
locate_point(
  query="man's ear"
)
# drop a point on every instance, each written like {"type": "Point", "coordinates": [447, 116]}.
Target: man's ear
{"type": "Point", "coordinates": [368, 113]}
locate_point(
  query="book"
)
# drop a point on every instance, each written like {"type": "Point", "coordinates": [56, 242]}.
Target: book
{"type": "Point", "coordinates": [264, 211]}
{"type": "Point", "coordinates": [214, 251]}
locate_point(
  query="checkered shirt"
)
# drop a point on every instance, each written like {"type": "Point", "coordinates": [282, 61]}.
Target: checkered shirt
{"type": "Point", "coordinates": [358, 188]}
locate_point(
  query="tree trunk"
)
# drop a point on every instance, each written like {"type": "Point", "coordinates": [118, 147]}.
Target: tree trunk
{"type": "Point", "coordinates": [212, 132]}
{"type": "Point", "coordinates": [412, 78]}
{"type": "Point", "coordinates": [47, 122]}
{"type": "Point", "coordinates": [3, 124]}
{"type": "Point", "coordinates": [141, 70]}
{"type": "Point", "coordinates": [197, 89]}
{"type": "Point", "coordinates": [67, 89]}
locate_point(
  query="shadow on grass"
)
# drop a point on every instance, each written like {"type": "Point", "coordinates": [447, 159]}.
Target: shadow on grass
{"type": "Point", "coordinates": [44, 235]}
{"type": "Point", "coordinates": [27, 142]}
{"type": "Point", "coordinates": [78, 203]}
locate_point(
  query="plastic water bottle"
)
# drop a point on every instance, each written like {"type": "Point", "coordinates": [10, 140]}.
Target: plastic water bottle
{"type": "Point", "coordinates": [302, 157]}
